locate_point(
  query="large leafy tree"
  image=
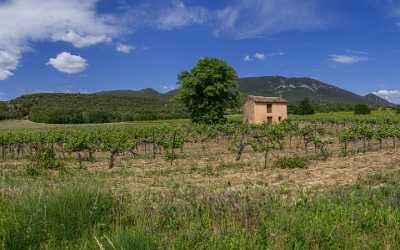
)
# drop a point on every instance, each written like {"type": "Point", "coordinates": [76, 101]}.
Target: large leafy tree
{"type": "Point", "coordinates": [208, 90]}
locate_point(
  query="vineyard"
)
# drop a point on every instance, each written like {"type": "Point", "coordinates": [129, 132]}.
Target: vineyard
{"type": "Point", "coordinates": [318, 138]}
{"type": "Point", "coordinates": [178, 185]}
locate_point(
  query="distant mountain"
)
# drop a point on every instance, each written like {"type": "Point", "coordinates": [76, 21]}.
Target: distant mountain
{"type": "Point", "coordinates": [378, 100]}
{"type": "Point", "coordinates": [150, 104]}
{"type": "Point", "coordinates": [143, 92]}
{"type": "Point", "coordinates": [296, 89]}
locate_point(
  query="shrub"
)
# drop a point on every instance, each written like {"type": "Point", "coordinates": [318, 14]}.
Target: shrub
{"type": "Point", "coordinates": [362, 109]}
{"type": "Point", "coordinates": [291, 162]}
{"type": "Point", "coordinates": [304, 108]}
{"type": "Point", "coordinates": [45, 158]}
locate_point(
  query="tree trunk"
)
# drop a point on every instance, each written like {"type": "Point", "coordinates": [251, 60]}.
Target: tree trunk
{"type": "Point", "coordinates": [240, 148]}
{"type": "Point", "coordinates": [265, 159]}
{"type": "Point", "coordinates": [112, 159]}
{"type": "Point", "coordinates": [79, 158]}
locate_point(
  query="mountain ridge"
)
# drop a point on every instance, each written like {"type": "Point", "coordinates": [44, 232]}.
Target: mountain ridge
{"type": "Point", "coordinates": [149, 103]}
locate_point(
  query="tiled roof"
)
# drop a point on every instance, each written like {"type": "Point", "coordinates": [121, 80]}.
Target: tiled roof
{"type": "Point", "coordinates": [266, 99]}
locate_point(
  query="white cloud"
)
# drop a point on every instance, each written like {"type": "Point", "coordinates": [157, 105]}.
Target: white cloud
{"type": "Point", "coordinates": [252, 18]}
{"type": "Point", "coordinates": [179, 15]}
{"type": "Point", "coordinates": [8, 63]}
{"type": "Point", "coordinates": [247, 58]}
{"type": "Point", "coordinates": [68, 63]}
{"type": "Point", "coordinates": [390, 95]}
{"type": "Point", "coordinates": [167, 88]}
{"type": "Point", "coordinates": [123, 48]}
{"type": "Point", "coordinates": [387, 93]}
{"type": "Point", "coordinates": [347, 59]}
{"type": "Point", "coordinates": [26, 21]}
{"type": "Point", "coordinates": [81, 41]}
{"type": "Point", "coordinates": [259, 56]}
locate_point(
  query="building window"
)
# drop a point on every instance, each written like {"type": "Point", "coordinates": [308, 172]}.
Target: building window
{"type": "Point", "coordinates": [269, 108]}
{"type": "Point", "coordinates": [280, 118]}
{"type": "Point", "coordinates": [269, 119]}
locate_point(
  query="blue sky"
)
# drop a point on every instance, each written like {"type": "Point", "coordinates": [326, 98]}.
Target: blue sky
{"type": "Point", "coordinates": [91, 45]}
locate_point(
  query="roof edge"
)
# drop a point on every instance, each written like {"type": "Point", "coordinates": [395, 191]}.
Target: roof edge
{"type": "Point", "coordinates": [265, 99]}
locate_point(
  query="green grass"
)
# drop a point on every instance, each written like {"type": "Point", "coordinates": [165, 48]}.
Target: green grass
{"type": "Point", "coordinates": [375, 116]}
{"type": "Point", "coordinates": [379, 115]}
{"type": "Point", "coordinates": [57, 217]}
{"type": "Point", "coordinates": [91, 216]}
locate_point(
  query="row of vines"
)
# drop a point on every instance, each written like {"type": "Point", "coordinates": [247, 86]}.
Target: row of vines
{"type": "Point", "coordinates": [168, 141]}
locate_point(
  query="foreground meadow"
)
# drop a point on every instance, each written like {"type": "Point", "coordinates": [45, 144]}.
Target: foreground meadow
{"type": "Point", "coordinates": [322, 185]}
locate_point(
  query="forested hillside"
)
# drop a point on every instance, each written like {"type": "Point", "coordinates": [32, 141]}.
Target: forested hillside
{"type": "Point", "coordinates": [148, 104]}
{"type": "Point", "coordinates": [112, 106]}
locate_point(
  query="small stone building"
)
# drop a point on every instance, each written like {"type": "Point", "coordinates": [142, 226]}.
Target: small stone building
{"type": "Point", "coordinates": [260, 109]}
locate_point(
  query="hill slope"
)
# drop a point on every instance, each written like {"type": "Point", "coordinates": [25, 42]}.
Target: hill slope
{"type": "Point", "coordinates": [149, 104]}
{"type": "Point", "coordinates": [296, 89]}
{"type": "Point", "coordinates": [119, 105]}
{"type": "Point", "coordinates": [378, 100]}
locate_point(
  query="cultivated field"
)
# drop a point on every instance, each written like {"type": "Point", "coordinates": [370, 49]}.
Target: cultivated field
{"type": "Point", "coordinates": [318, 182]}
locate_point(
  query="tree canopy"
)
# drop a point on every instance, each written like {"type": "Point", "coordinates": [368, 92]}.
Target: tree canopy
{"type": "Point", "coordinates": [362, 109]}
{"type": "Point", "coordinates": [208, 90]}
{"type": "Point", "coordinates": [305, 108]}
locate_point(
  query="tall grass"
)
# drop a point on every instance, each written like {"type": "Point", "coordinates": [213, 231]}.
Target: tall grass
{"type": "Point", "coordinates": [363, 216]}
{"type": "Point", "coordinates": [56, 217]}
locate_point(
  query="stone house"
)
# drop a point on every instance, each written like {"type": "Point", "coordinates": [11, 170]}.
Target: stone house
{"type": "Point", "coordinates": [260, 109]}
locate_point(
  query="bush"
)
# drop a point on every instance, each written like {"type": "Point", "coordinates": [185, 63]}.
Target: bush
{"type": "Point", "coordinates": [362, 109]}
{"type": "Point", "coordinates": [291, 162]}
{"type": "Point", "coordinates": [304, 108]}
{"type": "Point", "coordinates": [44, 158]}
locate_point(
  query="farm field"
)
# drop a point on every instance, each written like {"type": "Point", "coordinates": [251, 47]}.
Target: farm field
{"type": "Point", "coordinates": [325, 181]}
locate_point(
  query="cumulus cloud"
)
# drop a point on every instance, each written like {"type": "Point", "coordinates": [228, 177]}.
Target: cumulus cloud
{"type": "Point", "coordinates": [252, 18]}
{"type": "Point", "coordinates": [388, 93]}
{"type": "Point", "coordinates": [347, 59]}
{"type": "Point", "coordinates": [8, 63]}
{"type": "Point", "coordinates": [123, 48]}
{"type": "Point", "coordinates": [26, 21]}
{"type": "Point", "coordinates": [179, 15]}
{"type": "Point", "coordinates": [68, 63]}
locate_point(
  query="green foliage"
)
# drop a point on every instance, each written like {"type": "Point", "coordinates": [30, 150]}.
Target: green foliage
{"type": "Point", "coordinates": [44, 158]}
{"type": "Point", "coordinates": [208, 90]}
{"type": "Point", "coordinates": [362, 109]}
{"type": "Point", "coordinates": [304, 108]}
{"type": "Point", "coordinates": [95, 108]}
{"type": "Point", "coordinates": [77, 217]}
{"type": "Point", "coordinates": [397, 110]}
{"type": "Point", "coordinates": [291, 162]}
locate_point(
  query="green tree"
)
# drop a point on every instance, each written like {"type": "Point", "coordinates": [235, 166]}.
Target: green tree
{"type": "Point", "coordinates": [305, 108]}
{"type": "Point", "coordinates": [397, 109]}
{"type": "Point", "coordinates": [208, 90]}
{"type": "Point", "coordinates": [362, 109]}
